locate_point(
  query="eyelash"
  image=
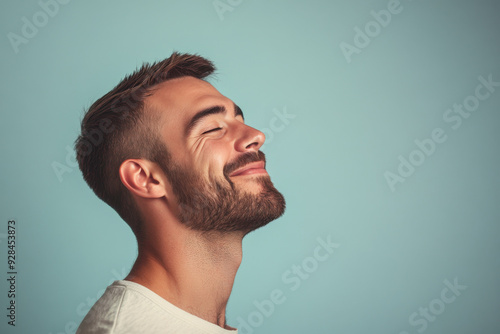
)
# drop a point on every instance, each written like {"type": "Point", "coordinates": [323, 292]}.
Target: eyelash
{"type": "Point", "coordinates": [212, 130]}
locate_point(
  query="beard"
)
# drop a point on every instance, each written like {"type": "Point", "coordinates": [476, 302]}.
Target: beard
{"type": "Point", "coordinates": [219, 205]}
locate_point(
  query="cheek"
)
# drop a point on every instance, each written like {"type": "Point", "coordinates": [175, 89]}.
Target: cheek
{"type": "Point", "coordinates": [215, 157]}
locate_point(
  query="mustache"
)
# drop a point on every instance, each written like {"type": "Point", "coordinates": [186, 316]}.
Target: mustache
{"type": "Point", "coordinates": [243, 160]}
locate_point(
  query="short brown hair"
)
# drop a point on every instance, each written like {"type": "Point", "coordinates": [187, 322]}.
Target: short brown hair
{"type": "Point", "coordinates": [116, 127]}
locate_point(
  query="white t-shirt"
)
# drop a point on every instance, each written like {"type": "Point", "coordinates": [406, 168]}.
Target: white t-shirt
{"type": "Point", "coordinates": [129, 308]}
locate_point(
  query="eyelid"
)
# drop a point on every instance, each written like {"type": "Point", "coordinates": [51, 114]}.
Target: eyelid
{"type": "Point", "coordinates": [219, 128]}
{"type": "Point", "coordinates": [212, 130]}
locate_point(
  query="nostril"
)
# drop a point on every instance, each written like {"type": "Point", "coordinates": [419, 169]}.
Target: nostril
{"type": "Point", "coordinates": [253, 144]}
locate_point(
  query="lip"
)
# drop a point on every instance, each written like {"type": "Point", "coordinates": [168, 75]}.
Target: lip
{"type": "Point", "coordinates": [251, 168]}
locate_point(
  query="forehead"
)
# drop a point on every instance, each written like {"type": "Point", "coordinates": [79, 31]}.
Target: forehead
{"type": "Point", "coordinates": [179, 99]}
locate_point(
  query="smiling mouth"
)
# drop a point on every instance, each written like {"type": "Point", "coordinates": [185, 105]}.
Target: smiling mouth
{"type": "Point", "coordinates": [250, 169]}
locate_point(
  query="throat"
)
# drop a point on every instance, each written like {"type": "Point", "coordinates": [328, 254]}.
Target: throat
{"type": "Point", "coordinates": [196, 273]}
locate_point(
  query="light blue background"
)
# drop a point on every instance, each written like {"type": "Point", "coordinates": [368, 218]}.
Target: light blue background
{"type": "Point", "coordinates": [352, 122]}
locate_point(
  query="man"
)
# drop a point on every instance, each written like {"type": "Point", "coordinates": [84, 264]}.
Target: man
{"type": "Point", "coordinates": [175, 159]}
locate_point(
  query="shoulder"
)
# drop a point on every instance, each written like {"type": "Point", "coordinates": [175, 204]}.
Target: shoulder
{"type": "Point", "coordinates": [102, 316]}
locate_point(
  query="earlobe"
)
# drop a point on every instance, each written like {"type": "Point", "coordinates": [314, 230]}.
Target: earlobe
{"type": "Point", "coordinates": [140, 178]}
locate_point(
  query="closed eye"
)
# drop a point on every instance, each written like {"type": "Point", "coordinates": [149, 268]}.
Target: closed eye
{"type": "Point", "coordinates": [212, 130]}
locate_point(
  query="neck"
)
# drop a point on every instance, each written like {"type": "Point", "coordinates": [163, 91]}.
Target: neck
{"type": "Point", "coordinates": [194, 271]}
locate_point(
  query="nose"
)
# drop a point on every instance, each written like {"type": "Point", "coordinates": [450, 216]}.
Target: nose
{"type": "Point", "coordinates": [249, 139]}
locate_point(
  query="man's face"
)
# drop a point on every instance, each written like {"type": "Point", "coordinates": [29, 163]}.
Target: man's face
{"type": "Point", "coordinates": [216, 170]}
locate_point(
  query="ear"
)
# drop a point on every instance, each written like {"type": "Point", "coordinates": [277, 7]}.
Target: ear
{"type": "Point", "coordinates": [143, 178]}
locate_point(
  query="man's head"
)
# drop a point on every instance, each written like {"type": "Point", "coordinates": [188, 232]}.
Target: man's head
{"type": "Point", "coordinates": [165, 115]}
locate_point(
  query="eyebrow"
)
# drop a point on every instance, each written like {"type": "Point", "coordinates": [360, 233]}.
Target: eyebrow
{"type": "Point", "coordinates": [207, 112]}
